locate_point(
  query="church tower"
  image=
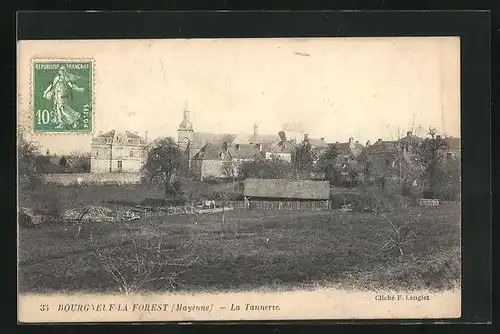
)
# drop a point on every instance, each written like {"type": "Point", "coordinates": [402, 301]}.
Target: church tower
{"type": "Point", "coordinates": [185, 133]}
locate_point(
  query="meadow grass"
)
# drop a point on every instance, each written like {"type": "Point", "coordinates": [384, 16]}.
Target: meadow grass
{"type": "Point", "coordinates": [252, 249]}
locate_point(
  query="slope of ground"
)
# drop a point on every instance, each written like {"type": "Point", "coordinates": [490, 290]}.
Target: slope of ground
{"type": "Point", "coordinates": [262, 250]}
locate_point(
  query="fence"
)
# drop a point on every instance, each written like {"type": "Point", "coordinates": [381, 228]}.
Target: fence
{"type": "Point", "coordinates": [282, 205]}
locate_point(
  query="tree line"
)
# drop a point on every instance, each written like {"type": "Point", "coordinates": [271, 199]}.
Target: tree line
{"type": "Point", "coordinates": [167, 166]}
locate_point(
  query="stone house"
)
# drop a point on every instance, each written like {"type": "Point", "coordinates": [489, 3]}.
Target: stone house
{"type": "Point", "coordinates": [118, 152]}
{"type": "Point", "coordinates": [214, 154]}
{"type": "Point", "coordinates": [209, 162]}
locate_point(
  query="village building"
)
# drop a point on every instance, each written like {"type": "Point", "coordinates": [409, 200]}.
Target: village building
{"type": "Point", "coordinates": [281, 148]}
{"type": "Point", "coordinates": [219, 155]}
{"type": "Point", "coordinates": [118, 152]}
{"type": "Point", "coordinates": [58, 164]}
{"type": "Point", "coordinates": [209, 162]}
{"type": "Point", "coordinates": [347, 158]}
{"type": "Point", "coordinates": [395, 159]}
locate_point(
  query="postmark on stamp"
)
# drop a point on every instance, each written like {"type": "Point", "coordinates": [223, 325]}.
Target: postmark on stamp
{"type": "Point", "coordinates": [62, 96]}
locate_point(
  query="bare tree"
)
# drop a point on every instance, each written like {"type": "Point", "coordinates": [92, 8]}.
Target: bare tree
{"type": "Point", "coordinates": [79, 221]}
{"type": "Point", "coordinates": [326, 164]}
{"type": "Point", "coordinates": [27, 152]}
{"type": "Point", "coordinates": [302, 159]}
{"type": "Point", "coordinates": [144, 257]}
{"type": "Point", "coordinates": [398, 233]}
{"type": "Point", "coordinates": [432, 153]}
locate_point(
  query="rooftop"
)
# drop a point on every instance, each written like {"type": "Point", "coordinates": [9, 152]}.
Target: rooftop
{"type": "Point", "coordinates": [282, 188]}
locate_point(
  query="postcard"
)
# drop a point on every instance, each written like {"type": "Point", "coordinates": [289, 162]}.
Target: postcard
{"type": "Point", "coordinates": [239, 179]}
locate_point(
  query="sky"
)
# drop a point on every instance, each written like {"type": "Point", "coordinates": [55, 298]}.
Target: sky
{"type": "Point", "coordinates": [336, 88]}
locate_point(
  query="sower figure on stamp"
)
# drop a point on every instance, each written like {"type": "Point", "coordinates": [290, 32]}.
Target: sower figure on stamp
{"type": "Point", "coordinates": [59, 92]}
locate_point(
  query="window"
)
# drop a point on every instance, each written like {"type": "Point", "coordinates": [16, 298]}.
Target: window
{"type": "Point", "coordinates": [96, 152]}
{"type": "Point", "coordinates": [131, 154]}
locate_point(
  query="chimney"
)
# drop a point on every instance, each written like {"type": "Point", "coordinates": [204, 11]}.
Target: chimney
{"type": "Point", "coordinates": [146, 136]}
{"type": "Point", "coordinates": [306, 137]}
{"type": "Point", "coordinates": [408, 133]}
{"type": "Point", "coordinates": [255, 133]}
{"type": "Point", "coordinates": [351, 142]}
{"type": "Point", "coordinates": [282, 136]}
{"type": "Point", "coordinates": [368, 143]}
{"type": "Point", "coordinates": [260, 147]}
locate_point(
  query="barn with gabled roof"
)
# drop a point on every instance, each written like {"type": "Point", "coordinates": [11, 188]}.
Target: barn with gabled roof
{"type": "Point", "coordinates": [283, 189]}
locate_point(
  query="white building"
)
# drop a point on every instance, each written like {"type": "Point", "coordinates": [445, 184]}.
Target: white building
{"type": "Point", "coordinates": [118, 152]}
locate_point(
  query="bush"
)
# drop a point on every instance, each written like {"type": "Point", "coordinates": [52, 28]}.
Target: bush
{"type": "Point", "coordinates": [53, 208]}
{"type": "Point", "coordinates": [338, 200]}
{"type": "Point", "coordinates": [214, 180]}
{"type": "Point", "coordinates": [374, 200]}
{"type": "Point", "coordinates": [450, 192]}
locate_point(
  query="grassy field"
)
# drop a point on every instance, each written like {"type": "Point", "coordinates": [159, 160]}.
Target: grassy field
{"type": "Point", "coordinates": [252, 249]}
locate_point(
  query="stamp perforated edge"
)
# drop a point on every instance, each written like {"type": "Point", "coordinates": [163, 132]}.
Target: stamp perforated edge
{"type": "Point", "coordinates": [31, 102]}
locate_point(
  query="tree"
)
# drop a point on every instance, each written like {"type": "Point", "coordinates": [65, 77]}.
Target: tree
{"type": "Point", "coordinates": [228, 169]}
{"type": "Point", "coordinates": [353, 177]}
{"type": "Point", "coordinates": [27, 169]}
{"type": "Point", "coordinates": [431, 155]}
{"type": "Point", "coordinates": [451, 188]}
{"type": "Point", "coordinates": [368, 171]}
{"type": "Point", "coordinates": [302, 158]}
{"type": "Point", "coordinates": [326, 164]}
{"type": "Point", "coordinates": [164, 165]}
{"type": "Point", "coordinates": [143, 257]}
{"type": "Point", "coordinates": [81, 160]}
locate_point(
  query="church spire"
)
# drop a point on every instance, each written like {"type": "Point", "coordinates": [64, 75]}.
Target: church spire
{"type": "Point", "coordinates": [186, 124]}
{"type": "Point", "coordinates": [186, 111]}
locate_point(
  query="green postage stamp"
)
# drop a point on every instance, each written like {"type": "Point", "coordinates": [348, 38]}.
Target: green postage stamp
{"type": "Point", "coordinates": [62, 96]}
